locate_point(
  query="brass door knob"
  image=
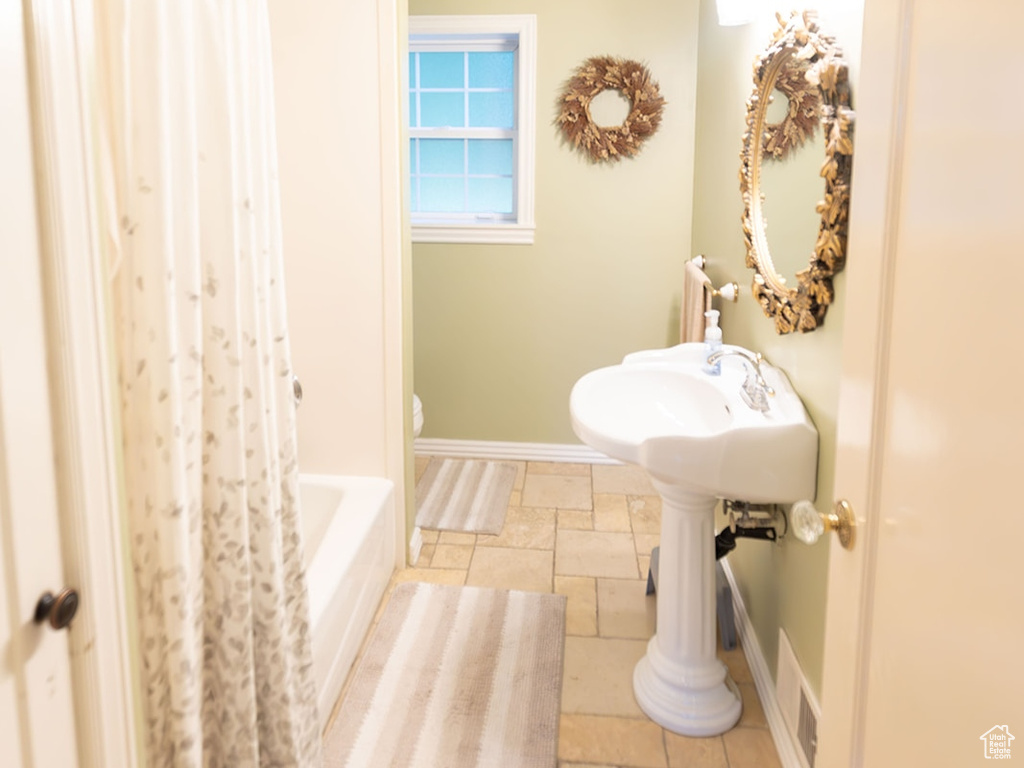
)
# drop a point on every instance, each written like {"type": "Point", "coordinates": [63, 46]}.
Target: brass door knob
{"type": "Point", "coordinates": [57, 610]}
{"type": "Point", "coordinates": [809, 523]}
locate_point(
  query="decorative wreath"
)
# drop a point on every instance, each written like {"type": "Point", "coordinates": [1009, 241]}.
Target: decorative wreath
{"type": "Point", "coordinates": [630, 78]}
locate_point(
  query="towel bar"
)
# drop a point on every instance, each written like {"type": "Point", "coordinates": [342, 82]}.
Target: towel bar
{"type": "Point", "coordinates": [729, 291]}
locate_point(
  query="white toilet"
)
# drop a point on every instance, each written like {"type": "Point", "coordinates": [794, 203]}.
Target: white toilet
{"type": "Point", "coordinates": [417, 416]}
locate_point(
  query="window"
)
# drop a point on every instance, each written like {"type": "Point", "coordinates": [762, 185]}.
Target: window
{"type": "Point", "coordinates": [471, 128]}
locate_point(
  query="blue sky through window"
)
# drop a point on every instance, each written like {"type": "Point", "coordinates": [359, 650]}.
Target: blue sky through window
{"type": "Point", "coordinates": [462, 93]}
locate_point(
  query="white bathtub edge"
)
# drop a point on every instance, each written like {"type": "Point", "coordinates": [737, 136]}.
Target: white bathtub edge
{"type": "Point", "coordinates": [323, 572]}
{"type": "Point", "coordinates": [346, 587]}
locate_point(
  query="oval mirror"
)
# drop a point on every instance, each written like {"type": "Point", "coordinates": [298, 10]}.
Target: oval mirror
{"type": "Point", "coordinates": [805, 68]}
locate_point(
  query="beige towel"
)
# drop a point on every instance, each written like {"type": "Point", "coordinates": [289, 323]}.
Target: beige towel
{"type": "Point", "coordinates": [697, 296]}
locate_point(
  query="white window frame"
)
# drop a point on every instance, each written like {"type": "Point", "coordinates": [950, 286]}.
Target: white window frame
{"type": "Point", "coordinates": [490, 30]}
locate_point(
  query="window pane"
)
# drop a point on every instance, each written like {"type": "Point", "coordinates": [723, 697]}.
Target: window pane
{"type": "Point", "coordinates": [490, 195]}
{"type": "Point", "coordinates": [442, 195]}
{"type": "Point", "coordinates": [414, 189]}
{"type": "Point", "coordinates": [442, 70]}
{"type": "Point", "coordinates": [442, 156]}
{"type": "Point", "coordinates": [490, 157]}
{"type": "Point", "coordinates": [491, 110]}
{"type": "Point", "coordinates": [441, 109]}
{"type": "Point", "coordinates": [492, 69]}
{"type": "Point", "coordinates": [412, 109]}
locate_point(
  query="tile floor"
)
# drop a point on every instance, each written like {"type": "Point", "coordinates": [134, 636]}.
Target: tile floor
{"type": "Point", "coordinates": [586, 531]}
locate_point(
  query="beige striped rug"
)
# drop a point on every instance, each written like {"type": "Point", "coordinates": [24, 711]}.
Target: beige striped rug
{"type": "Point", "coordinates": [464, 495]}
{"type": "Point", "coordinates": [455, 677]}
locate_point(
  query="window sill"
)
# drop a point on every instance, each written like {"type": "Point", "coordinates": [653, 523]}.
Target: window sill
{"type": "Point", "coordinates": [495, 234]}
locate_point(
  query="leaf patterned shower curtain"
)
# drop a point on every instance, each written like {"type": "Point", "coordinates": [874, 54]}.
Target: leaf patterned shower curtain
{"type": "Point", "coordinates": [205, 378]}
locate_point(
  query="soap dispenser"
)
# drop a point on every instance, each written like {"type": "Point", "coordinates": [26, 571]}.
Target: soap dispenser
{"type": "Point", "coordinates": [712, 342]}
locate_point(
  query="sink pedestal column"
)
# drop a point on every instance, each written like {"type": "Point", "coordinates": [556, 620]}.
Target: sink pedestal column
{"type": "Point", "coordinates": [680, 683]}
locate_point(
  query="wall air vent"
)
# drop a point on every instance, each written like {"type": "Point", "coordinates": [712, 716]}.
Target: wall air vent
{"type": "Point", "coordinates": [807, 730]}
{"type": "Point", "coordinates": [799, 708]}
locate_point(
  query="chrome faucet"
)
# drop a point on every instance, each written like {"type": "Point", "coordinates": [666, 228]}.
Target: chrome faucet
{"type": "Point", "coordinates": [755, 390]}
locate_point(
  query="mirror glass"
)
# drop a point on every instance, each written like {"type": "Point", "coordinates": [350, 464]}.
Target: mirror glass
{"type": "Point", "coordinates": [795, 173]}
{"type": "Point", "coordinates": [791, 188]}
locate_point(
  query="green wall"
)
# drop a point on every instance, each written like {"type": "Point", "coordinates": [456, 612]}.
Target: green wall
{"type": "Point", "coordinates": [502, 332]}
{"type": "Point", "coordinates": [782, 585]}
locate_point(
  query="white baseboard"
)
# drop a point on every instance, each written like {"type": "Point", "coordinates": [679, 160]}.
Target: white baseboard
{"type": "Point", "coordinates": [497, 450]}
{"type": "Point", "coordinates": [787, 750]}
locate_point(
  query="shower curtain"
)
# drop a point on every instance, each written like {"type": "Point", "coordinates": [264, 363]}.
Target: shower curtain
{"type": "Point", "coordinates": [206, 384]}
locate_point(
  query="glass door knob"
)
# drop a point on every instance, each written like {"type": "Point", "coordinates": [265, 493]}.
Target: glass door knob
{"type": "Point", "coordinates": [809, 524]}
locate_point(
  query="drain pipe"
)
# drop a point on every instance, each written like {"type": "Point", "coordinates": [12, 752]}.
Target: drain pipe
{"type": "Point", "coordinates": [765, 522]}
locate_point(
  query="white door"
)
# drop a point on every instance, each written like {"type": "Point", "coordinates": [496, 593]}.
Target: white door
{"type": "Point", "coordinates": [36, 713]}
{"type": "Point", "coordinates": [926, 613]}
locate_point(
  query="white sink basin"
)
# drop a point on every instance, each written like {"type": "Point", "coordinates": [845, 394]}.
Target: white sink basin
{"type": "Point", "coordinates": [693, 431]}
{"type": "Point", "coordinates": [700, 440]}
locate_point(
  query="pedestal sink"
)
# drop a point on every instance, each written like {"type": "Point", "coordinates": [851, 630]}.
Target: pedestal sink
{"type": "Point", "coordinates": [699, 441]}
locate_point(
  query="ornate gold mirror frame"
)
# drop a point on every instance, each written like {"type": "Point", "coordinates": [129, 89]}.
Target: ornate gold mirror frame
{"type": "Point", "coordinates": [808, 68]}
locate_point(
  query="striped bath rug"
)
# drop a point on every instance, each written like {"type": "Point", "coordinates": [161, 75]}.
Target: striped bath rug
{"type": "Point", "coordinates": [455, 677]}
{"type": "Point", "coordinates": [464, 495]}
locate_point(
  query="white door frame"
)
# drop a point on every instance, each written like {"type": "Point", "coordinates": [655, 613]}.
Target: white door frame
{"type": "Point", "coordinates": [63, 83]}
{"type": "Point", "coordinates": [923, 614]}
{"type": "Point", "coordinates": [862, 402]}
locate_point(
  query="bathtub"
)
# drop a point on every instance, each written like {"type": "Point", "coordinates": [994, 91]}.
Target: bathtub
{"type": "Point", "coordinates": [348, 526]}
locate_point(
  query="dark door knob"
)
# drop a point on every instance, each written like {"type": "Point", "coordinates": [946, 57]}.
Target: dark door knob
{"type": "Point", "coordinates": [57, 610]}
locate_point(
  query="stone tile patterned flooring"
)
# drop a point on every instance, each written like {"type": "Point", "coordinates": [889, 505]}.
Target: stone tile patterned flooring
{"type": "Point", "coordinates": [586, 531]}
